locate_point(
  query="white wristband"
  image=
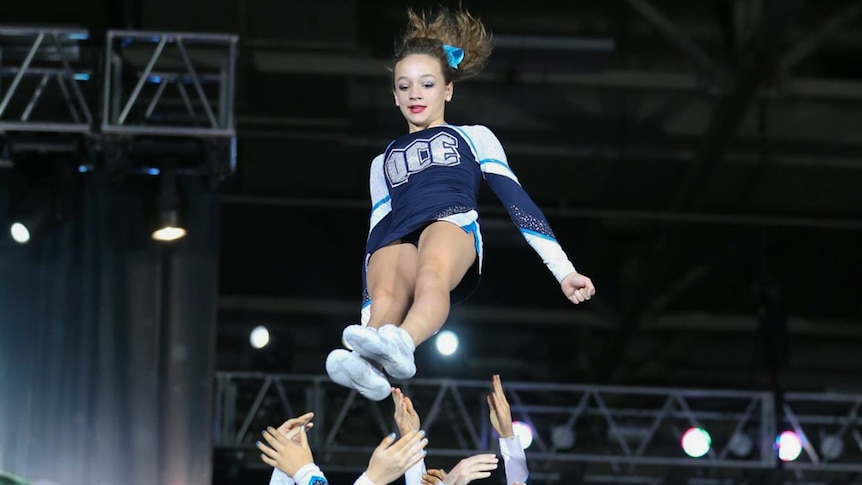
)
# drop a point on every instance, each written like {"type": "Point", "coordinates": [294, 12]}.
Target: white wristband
{"type": "Point", "coordinates": [310, 474]}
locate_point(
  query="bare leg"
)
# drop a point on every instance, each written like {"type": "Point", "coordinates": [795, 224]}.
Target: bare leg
{"type": "Point", "coordinates": [445, 254]}
{"type": "Point", "coordinates": [391, 280]}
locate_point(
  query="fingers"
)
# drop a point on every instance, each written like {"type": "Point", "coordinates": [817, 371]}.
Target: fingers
{"type": "Point", "coordinates": [269, 461]}
{"type": "Point", "coordinates": [411, 448]}
{"type": "Point", "coordinates": [578, 288]}
{"type": "Point", "coordinates": [479, 475]}
{"type": "Point", "coordinates": [418, 455]}
{"type": "Point", "coordinates": [498, 397]}
{"type": "Point", "coordinates": [291, 423]}
{"type": "Point", "coordinates": [578, 296]}
{"type": "Point", "coordinates": [410, 440]}
{"type": "Point", "coordinates": [475, 467]}
{"type": "Point", "coordinates": [408, 406]}
{"type": "Point", "coordinates": [305, 418]}
{"type": "Point", "coordinates": [274, 438]}
{"type": "Point", "coordinates": [386, 442]}
{"type": "Point", "coordinates": [437, 473]}
{"type": "Point", "coordinates": [303, 438]}
{"type": "Point", "coordinates": [587, 290]}
{"type": "Point", "coordinates": [591, 289]}
{"type": "Point", "coordinates": [268, 454]}
{"type": "Point", "coordinates": [496, 384]}
{"type": "Point", "coordinates": [433, 477]}
{"type": "Point", "coordinates": [499, 403]}
{"type": "Point", "coordinates": [498, 388]}
{"type": "Point", "coordinates": [481, 459]}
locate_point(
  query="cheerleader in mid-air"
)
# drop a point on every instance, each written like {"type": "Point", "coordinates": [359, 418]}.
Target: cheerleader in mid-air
{"type": "Point", "coordinates": [424, 235]}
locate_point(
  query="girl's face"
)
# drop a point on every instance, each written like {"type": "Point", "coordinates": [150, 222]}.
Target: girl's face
{"type": "Point", "coordinates": [420, 91]}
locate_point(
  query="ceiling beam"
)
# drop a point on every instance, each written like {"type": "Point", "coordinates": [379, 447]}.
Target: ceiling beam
{"type": "Point", "coordinates": [676, 36]}
{"type": "Point", "coordinates": [347, 65]}
{"type": "Point", "coordinates": [753, 73]}
{"type": "Point", "coordinates": [667, 217]}
{"type": "Point", "coordinates": [809, 44]}
{"type": "Point", "coordinates": [236, 309]}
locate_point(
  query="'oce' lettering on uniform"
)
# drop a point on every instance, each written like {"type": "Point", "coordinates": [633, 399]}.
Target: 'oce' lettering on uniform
{"type": "Point", "coordinates": [441, 149]}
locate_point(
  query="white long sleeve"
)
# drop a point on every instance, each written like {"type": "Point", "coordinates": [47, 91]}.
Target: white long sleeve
{"type": "Point", "coordinates": [514, 459]}
{"type": "Point", "coordinates": [280, 478]}
{"type": "Point", "coordinates": [523, 211]}
{"type": "Point", "coordinates": [413, 476]}
{"type": "Point", "coordinates": [310, 475]}
{"type": "Point", "coordinates": [363, 480]}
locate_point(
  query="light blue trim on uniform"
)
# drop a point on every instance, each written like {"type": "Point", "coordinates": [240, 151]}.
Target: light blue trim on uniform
{"type": "Point", "coordinates": [494, 160]}
{"type": "Point", "coordinates": [367, 303]}
{"type": "Point", "coordinates": [539, 234]}
{"type": "Point", "coordinates": [498, 162]}
{"type": "Point", "coordinates": [380, 202]}
{"type": "Point", "coordinates": [465, 136]}
{"type": "Point", "coordinates": [473, 229]}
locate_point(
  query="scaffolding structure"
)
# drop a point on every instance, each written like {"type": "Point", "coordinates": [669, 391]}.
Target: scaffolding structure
{"type": "Point", "coordinates": [37, 61]}
{"type": "Point", "coordinates": [595, 434]}
{"type": "Point", "coordinates": [156, 88]}
{"type": "Point", "coordinates": [203, 63]}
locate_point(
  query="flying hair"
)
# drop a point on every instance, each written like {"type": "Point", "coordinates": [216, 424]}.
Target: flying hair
{"type": "Point", "coordinates": [427, 33]}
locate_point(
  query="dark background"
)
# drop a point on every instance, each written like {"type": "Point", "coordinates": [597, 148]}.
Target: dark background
{"type": "Point", "coordinates": [700, 161]}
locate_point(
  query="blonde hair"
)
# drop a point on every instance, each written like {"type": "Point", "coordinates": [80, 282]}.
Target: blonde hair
{"type": "Point", "coordinates": [426, 33]}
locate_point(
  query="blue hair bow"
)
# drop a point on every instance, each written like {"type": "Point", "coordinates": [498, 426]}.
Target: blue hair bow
{"type": "Point", "coordinates": [454, 55]}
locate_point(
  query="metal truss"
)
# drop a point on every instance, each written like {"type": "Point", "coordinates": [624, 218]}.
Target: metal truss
{"type": "Point", "coordinates": [169, 84]}
{"type": "Point", "coordinates": [615, 432]}
{"type": "Point", "coordinates": [176, 89]}
{"type": "Point", "coordinates": [46, 72]}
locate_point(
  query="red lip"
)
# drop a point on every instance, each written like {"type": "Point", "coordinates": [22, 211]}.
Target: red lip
{"type": "Point", "coordinates": [415, 108]}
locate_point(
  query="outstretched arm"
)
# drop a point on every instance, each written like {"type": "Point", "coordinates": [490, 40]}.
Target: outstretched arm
{"type": "Point", "coordinates": [291, 454]}
{"type": "Point", "coordinates": [279, 477]}
{"type": "Point", "coordinates": [514, 458]}
{"type": "Point", "coordinates": [527, 216]}
{"type": "Point", "coordinates": [407, 420]}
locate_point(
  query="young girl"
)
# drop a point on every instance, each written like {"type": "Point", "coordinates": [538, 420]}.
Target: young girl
{"type": "Point", "coordinates": [424, 235]}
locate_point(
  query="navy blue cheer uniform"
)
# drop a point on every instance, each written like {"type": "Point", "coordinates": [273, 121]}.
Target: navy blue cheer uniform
{"type": "Point", "coordinates": [435, 175]}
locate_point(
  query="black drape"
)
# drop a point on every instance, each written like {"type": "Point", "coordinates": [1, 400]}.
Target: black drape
{"type": "Point", "coordinates": [107, 344]}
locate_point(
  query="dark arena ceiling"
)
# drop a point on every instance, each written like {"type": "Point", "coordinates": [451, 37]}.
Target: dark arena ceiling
{"type": "Point", "coordinates": [701, 161]}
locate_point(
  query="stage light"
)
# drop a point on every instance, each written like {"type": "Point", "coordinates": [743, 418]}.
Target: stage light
{"type": "Point", "coordinates": [259, 337]}
{"type": "Point", "coordinates": [831, 447]}
{"type": "Point", "coordinates": [446, 342]}
{"type": "Point", "coordinates": [696, 442]}
{"type": "Point", "coordinates": [33, 214]}
{"type": "Point", "coordinates": [169, 227]}
{"type": "Point", "coordinates": [20, 233]}
{"type": "Point", "coordinates": [740, 444]}
{"type": "Point", "coordinates": [789, 446]}
{"type": "Point", "coordinates": [524, 432]}
{"type": "Point", "coordinates": [562, 437]}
